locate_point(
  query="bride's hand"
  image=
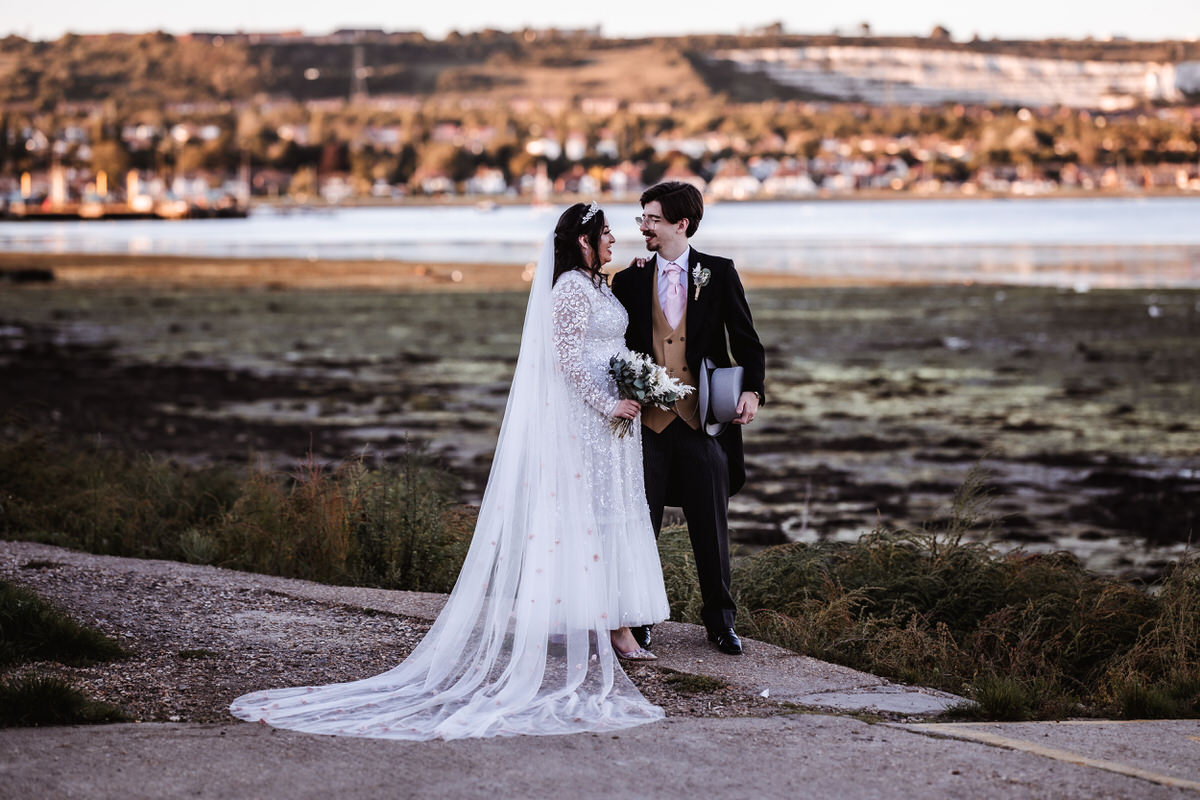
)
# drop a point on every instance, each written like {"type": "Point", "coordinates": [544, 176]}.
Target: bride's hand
{"type": "Point", "coordinates": [627, 409]}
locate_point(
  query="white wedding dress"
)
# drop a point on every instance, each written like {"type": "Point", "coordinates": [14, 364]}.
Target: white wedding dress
{"type": "Point", "coordinates": [589, 328]}
{"type": "Point", "coordinates": [563, 552]}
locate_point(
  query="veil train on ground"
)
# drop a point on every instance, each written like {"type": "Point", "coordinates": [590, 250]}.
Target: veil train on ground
{"type": "Point", "coordinates": [522, 645]}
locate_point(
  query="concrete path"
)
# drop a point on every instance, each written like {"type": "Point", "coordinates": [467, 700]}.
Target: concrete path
{"type": "Point", "coordinates": [1165, 752]}
{"type": "Point", "coordinates": [804, 755]}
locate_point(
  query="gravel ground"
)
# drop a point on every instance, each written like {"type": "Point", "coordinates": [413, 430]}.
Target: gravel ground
{"type": "Point", "coordinates": [201, 636]}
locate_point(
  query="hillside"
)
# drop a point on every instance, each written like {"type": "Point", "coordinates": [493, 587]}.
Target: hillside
{"type": "Point", "coordinates": [147, 70]}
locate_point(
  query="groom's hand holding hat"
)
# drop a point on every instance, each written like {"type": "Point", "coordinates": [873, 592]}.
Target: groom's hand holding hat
{"type": "Point", "coordinates": [747, 408]}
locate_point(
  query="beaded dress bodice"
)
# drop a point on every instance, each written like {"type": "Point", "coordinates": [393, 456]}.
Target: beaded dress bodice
{"type": "Point", "coordinates": [589, 328]}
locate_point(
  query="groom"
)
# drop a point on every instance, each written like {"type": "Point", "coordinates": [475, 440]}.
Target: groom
{"type": "Point", "coordinates": [682, 305]}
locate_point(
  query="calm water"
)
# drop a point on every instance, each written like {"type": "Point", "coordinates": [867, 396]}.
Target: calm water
{"type": "Point", "coordinates": [1116, 242]}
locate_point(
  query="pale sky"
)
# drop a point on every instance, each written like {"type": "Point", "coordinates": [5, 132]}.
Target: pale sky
{"type": "Point", "coordinates": [1034, 19]}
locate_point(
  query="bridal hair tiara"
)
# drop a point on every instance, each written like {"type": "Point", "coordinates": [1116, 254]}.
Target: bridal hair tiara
{"type": "Point", "coordinates": [591, 212]}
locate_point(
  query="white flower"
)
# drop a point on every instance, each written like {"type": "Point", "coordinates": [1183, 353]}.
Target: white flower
{"type": "Point", "coordinates": [700, 277]}
{"type": "Point", "coordinates": [639, 378]}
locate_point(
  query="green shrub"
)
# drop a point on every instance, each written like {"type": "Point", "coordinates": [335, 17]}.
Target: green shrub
{"type": "Point", "coordinates": [1003, 697]}
{"type": "Point", "coordinates": [102, 500]}
{"type": "Point", "coordinates": [32, 630]}
{"type": "Point", "coordinates": [395, 528]}
{"type": "Point", "coordinates": [33, 700]}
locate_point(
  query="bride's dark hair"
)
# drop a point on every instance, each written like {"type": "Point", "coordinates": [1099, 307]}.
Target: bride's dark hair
{"type": "Point", "coordinates": [567, 253]}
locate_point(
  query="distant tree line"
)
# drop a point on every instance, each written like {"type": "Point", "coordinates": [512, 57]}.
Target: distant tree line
{"type": "Point", "coordinates": [440, 140]}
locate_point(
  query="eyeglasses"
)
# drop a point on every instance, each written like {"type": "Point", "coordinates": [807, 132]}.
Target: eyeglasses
{"type": "Point", "coordinates": [650, 220]}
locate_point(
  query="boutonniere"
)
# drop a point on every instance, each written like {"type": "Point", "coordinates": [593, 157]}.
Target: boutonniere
{"type": "Point", "coordinates": [700, 276]}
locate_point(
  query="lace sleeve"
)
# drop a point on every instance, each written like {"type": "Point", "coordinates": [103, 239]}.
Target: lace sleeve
{"type": "Point", "coordinates": [572, 311]}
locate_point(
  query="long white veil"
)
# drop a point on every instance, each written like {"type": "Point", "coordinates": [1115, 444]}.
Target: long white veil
{"type": "Point", "coordinates": [521, 646]}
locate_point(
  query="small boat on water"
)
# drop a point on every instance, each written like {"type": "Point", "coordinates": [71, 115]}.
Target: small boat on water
{"type": "Point", "coordinates": [35, 209]}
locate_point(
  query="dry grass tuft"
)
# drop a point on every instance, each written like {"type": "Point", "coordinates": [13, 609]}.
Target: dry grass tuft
{"type": "Point", "coordinates": [394, 528]}
{"type": "Point", "coordinates": [1023, 636]}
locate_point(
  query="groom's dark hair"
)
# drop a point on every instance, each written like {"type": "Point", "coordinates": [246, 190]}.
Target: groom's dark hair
{"type": "Point", "coordinates": [679, 200]}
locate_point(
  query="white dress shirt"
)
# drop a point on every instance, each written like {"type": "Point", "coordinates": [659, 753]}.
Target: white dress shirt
{"type": "Point", "coordinates": [664, 282]}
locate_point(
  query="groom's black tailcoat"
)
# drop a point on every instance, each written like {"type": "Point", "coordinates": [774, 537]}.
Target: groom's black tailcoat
{"type": "Point", "coordinates": [718, 322]}
{"type": "Point", "coordinates": [685, 467]}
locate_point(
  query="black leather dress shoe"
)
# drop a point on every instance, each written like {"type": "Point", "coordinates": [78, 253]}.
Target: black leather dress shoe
{"type": "Point", "coordinates": [641, 635]}
{"type": "Point", "coordinates": [727, 641]}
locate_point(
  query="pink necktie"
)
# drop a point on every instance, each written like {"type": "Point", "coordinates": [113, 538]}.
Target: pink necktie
{"type": "Point", "coordinates": [675, 298]}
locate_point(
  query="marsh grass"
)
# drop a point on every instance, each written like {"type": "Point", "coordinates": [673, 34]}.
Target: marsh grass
{"type": "Point", "coordinates": [394, 528]}
{"type": "Point", "coordinates": [33, 700]}
{"type": "Point", "coordinates": [1022, 636]}
{"type": "Point", "coordinates": [97, 498]}
{"type": "Point", "coordinates": [688, 683]}
{"type": "Point", "coordinates": [33, 630]}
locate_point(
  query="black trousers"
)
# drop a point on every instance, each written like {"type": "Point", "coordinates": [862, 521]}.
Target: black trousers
{"type": "Point", "coordinates": [690, 468]}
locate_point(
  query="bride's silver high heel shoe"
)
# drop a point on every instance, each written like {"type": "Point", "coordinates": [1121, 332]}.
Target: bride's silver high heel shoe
{"type": "Point", "coordinates": [640, 654]}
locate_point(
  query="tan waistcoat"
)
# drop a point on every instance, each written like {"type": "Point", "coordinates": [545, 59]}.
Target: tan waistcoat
{"type": "Point", "coordinates": [669, 349]}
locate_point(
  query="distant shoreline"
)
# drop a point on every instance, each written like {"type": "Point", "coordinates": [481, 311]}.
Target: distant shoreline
{"type": "Point", "coordinates": [485, 204]}
{"type": "Point", "coordinates": [48, 271]}
{"type": "Point", "coordinates": [821, 197]}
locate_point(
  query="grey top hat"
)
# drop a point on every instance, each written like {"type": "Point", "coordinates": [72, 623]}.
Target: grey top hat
{"type": "Point", "coordinates": [720, 388]}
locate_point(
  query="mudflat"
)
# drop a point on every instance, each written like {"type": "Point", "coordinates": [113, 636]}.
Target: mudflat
{"type": "Point", "coordinates": [880, 399]}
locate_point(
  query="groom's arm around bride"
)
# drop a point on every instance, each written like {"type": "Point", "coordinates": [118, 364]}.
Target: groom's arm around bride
{"type": "Point", "coordinates": [685, 306]}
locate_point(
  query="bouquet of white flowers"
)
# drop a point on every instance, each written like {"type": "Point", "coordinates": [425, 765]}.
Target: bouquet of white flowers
{"type": "Point", "coordinates": [639, 378]}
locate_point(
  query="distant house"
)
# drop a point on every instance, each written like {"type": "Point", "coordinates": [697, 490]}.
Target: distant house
{"type": "Point", "coordinates": [186, 131]}
{"type": "Point", "coordinates": [141, 137]}
{"type": "Point", "coordinates": [477, 137]}
{"type": "Point", "coordinates": [762, 167]}
{"type": "Point", "coordinates": [351, 35]}
{"type": "Point", "coordinates": [568, 182]}
{"type": "Point", "coordinates": [892, 174]}
{"type": "Point", "coordinates": [576, 146]}
{"type": "Point", "coordinates": [577, 180]}
{"type": "Point", "coordinates": [790, 180]}
{"type": "Point", "coordinates": [685, 174]}
{"type": "Point", "coordinates": [544, 146]}
{"type": "Point", "coordinates": [336, 188]}
{"type": "Point", "coordinates": [657, 108]}
{"type": "Point", "coordinates": [487, 181]}
{"type": "Point", "coordinates": [838, 182]}
{"type": "Point", "coordinates": [606, 145]}
{"type": "Point", "coordinates": [431, 182]}
{"type": "Point", "coordinates": [599, 105]}
{"type": "Point", "coordinates": [388, 138]}
{"type": "Point", "coordinates": [690, 146]}
{"type": "Point", "coordinates": [270, 182]}
{"type": "Point", "coordinates": [624, 179]}
{"type": "Point", "coordinates": [294, 133]}
{"type": "Point", "coordinates": [733, 181]}
{"type": "Point", "coordinates": [447, 132]}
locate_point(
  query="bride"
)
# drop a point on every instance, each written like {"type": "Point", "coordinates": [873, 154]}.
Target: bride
{"type": "Point", "coordinates": [563, 557]}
